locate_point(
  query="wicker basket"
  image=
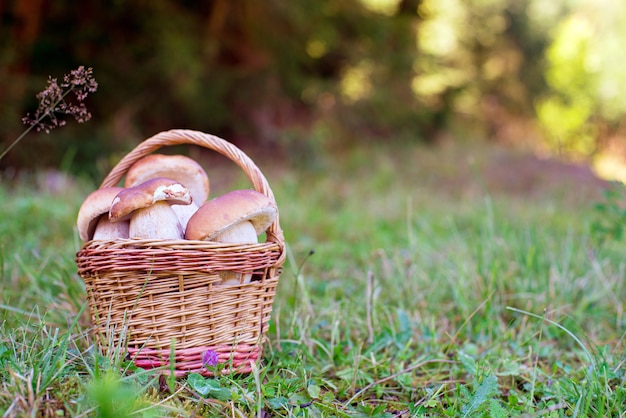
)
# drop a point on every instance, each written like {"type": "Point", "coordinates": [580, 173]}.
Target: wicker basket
{"type": "Point", "coordinates": [158, 301]}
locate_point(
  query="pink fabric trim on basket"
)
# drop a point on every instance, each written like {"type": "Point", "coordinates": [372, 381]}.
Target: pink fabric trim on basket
{"type": "Point", "coordinates": [238, 359]}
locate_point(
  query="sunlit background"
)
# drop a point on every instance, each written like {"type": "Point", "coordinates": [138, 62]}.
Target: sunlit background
{"type": "Point", "coordinates": [543, 76]}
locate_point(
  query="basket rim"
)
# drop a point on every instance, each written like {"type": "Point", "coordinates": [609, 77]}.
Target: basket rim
{"type": "Point", "coordinates": [173, 243]}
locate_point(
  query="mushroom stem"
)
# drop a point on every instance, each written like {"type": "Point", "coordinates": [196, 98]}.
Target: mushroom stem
{"type": "Point", "coordinates": [155, 222]}
{"type": "Point", "coordinates": [184, 212]}
{"type": "Point", "coordinates": [106, 229]}
{"type": "Point", "coordinates": [242, 233]}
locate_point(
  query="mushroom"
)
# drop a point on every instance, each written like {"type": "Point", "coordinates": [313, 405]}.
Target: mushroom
{"type": "Point", "coordinates": [177, 167]}
{"type": "Point", "coordinates": [90, 221]}
{"type": "Point", "coordinates": [147, 205]}
{"type": "Point", "coordinates": [237, 217]}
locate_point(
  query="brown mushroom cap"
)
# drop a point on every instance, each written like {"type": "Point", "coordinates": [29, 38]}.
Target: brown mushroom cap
{"type": "Point", "coordinates": [178, 167]}
{"type": "Point", "coordinates": [219, 214]}
{"type": "Point", "coordinates": [94, 206]}
{"type": "Point", "coordinates": [147, 194]}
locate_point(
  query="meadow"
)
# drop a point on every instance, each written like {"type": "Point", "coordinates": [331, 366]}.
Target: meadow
{"type": "Point", "coordinates": [420, 281]}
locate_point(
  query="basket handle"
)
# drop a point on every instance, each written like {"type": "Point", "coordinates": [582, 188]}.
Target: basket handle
{"type": "Point", "coordinates": [212, 142]}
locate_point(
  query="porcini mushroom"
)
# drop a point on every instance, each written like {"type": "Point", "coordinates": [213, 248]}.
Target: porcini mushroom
{"type": "Point", "coordinates": [177, 167]}
{"type": "Point", "coordinates": [147, 205]}
{"type": "Point", "coordinates": [93, 217]}
{"type": "Point", "coordinates": [237, 217]}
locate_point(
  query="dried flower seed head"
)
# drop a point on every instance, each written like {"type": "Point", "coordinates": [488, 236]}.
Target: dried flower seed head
{"type": "Point", "coordinates": [53, 100]}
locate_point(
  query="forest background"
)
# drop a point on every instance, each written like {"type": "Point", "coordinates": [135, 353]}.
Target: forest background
{"type": "Point", "coordinates": [307, 77]}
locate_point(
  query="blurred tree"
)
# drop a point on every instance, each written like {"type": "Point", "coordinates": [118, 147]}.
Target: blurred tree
{"type": "Point", "coordinates": [302, 75]}
{"type": "Point", "coordinates": [238, 69]}
{"type": "Point", "coordinates": [586, 75]}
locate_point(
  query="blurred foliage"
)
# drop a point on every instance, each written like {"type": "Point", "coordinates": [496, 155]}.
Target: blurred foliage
{"type": "Point", "coordinates": [306, 76]}
{"type": "Point", "coordinates": [586, 74]}
{"type": "Point", "coordinates": [610, 219]}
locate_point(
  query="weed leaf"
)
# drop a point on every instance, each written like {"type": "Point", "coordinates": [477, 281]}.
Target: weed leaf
{"type": "Point", "coordinates": [279, 402]}
{"type": "Point", "coordinates": [468, 363]}
{"type": "Point", "coordinates": [487, 389]}
{"type": "Point", "coordinates": [496, 410]}
{"type": "Point", "coordinates": [200, 384]}
{"type": "Point", "coordinates": [314, 391]}
{"type": "Point", "coordinates": [208, 387]}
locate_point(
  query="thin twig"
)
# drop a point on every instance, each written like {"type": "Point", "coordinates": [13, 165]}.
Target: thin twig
{"type": "Point", "coordinates": [393, 376]}
{"type": "Point", "coordinates": [469, 318]}
{"type": "Point", "coordinates": [200, 398]}
{"type": "Point", "coordinates": [562, 328]}
{"type": "Point", "coordinates": [368, 306]}
{"type": "Point", "coordinates": [552, 408]}
{"type": "Point", "coordinates": [37, 122]}
{"type": "Point", "coordinates": [162, 401]}
{"type": "Point", "coordinates": [19, 138]}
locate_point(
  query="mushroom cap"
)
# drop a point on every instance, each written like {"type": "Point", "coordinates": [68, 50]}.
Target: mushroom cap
{"type": "Point", "coordinates": [178, 167]}
{"type": "Point", "coordinates": [96, 204]}
{"type": "Point", "coordinates": [147, 194]}
{"type": "Point", "coordinates": [232, 208]}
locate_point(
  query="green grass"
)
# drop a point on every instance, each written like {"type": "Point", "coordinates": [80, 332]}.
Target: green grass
{"type": "Point", "coordinates": [430, 292]}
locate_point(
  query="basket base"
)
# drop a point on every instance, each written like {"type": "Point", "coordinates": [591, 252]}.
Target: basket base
{"type": "Point", "coordinates": [238, 359]}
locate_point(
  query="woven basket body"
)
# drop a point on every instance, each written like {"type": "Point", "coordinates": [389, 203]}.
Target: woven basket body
{"type": "Point", "coordinates": [162, 303]}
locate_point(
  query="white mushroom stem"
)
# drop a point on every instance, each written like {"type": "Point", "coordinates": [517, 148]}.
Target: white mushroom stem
{"type": "Point", "coordinates": [155, 222]}
{"type": "Point", "coordinates": [241, 233]}
{"type": "Point", "coordinates": [184, 212]}
{"type": "Point", "coordinates": [98, 203]}
{"type": "Point", "coordinates": [106, 229]}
